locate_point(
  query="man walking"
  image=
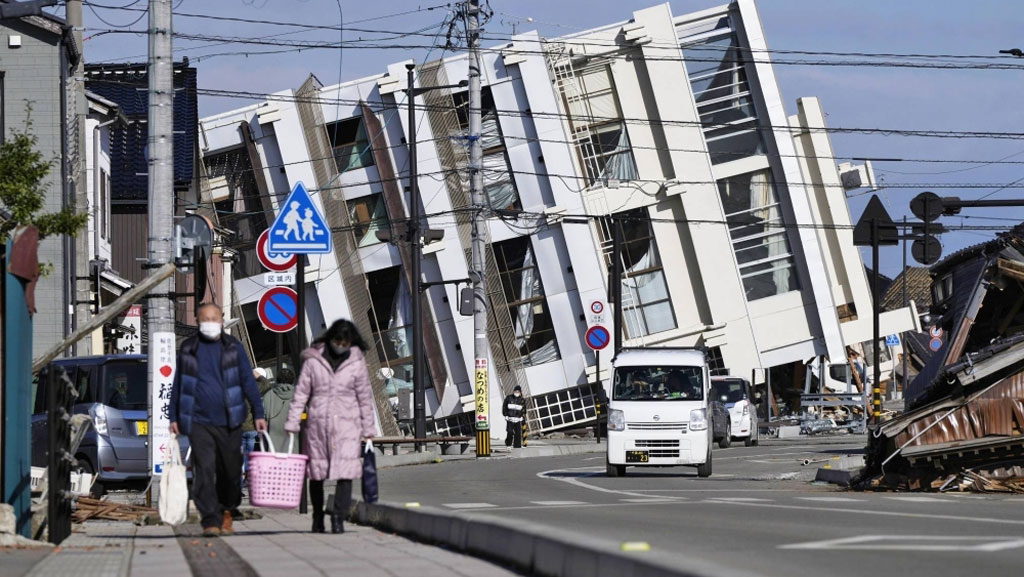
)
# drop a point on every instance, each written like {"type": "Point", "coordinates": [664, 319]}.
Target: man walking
{"type": "Point", "coordinates": [213, 383]}
{"type": "Point", "coordinates": [513, 410]}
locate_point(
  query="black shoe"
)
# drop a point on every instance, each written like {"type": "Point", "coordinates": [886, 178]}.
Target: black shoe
{"type": "Point", "coordinates": [337, 524]}
{"type": "Point", "coordinates": [318, 523]}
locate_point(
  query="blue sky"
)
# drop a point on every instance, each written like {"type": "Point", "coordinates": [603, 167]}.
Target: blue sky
{"type": "Point", "coordinates": [877, 97]}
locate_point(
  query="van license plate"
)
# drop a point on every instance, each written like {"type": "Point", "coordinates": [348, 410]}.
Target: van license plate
{"type": "Point", "coordinates": [142, 428]}
{"type": "Point", "coordinates": [637, 457]}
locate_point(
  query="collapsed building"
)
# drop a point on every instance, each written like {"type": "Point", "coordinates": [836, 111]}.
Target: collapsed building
{"type": "Point", "coordinates": [964, 424]}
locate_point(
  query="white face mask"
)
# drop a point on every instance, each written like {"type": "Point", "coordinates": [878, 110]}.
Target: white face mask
{"type": "Point", "coordinates": [210, 330]}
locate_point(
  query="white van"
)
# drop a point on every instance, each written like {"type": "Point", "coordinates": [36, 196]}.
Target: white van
{"type": "Point", "coordinates": [658, 410]}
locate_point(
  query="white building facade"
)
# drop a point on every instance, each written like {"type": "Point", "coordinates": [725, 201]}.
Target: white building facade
{"type": "Point", "coordinates": [734, 220]}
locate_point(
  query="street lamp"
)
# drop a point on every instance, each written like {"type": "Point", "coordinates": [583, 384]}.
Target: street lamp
{"type": "Point", "coordinates": [415, 236]}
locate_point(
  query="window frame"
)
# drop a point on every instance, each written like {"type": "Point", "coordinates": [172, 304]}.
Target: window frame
{"type": "Point", "coordinates": [505, 277]}
{"type": "Point", "coordinates": [365, 226]}
{"type": "Point", "coordinates": [366, 157]}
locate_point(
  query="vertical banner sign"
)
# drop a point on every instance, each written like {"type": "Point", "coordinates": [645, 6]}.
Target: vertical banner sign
{"type": "Point", "coordinates": [130, 342]}
{"type": "Point", "coordinates": [162, 366]}
{"type": "Point", "coordinates": [483, 404]}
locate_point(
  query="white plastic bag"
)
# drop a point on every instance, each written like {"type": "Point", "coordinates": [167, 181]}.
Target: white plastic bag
{"type": "Point", "coordinates": [174, 487]}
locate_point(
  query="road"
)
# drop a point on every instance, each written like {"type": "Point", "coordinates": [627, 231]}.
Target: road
{"type": "Point", "coordinates": [750, 518]}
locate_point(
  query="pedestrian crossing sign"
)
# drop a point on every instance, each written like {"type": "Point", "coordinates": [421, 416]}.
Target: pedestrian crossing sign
{"type": "Point", "coordinates": [299, 228]}
{"type": "Point", "coordinates": [892, 341]}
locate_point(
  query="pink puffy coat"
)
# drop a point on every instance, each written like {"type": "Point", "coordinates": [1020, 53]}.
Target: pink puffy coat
{"type": "Point", "coordinates": [340, 414]}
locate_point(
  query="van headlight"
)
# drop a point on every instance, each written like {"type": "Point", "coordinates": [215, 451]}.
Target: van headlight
{"type": "Point", "coordinates": [616, 420]}
{"type": "Point", "coordinates": [698, 419]}
{"type": "Point", "coordinates": [99, 420]}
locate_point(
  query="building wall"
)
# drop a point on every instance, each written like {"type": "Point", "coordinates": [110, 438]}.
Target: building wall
{"type": "Point", "coordinates": [32, 76]}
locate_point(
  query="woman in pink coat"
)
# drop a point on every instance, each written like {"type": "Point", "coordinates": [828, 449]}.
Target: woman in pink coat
{"type": "Point", "coordinates": [335, 384]}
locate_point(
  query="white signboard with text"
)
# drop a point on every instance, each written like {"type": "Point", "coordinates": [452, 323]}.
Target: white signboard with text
{"type": "Point", "coordinates": [162, 366]}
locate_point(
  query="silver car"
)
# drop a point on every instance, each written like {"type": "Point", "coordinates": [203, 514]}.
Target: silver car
{"type": "Point", "coordinates": [112, 390]}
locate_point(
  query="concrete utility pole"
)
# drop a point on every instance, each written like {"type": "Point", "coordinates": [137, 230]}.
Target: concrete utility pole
{"type": "Point", "coordinates": [479, 236]}
{"type": "Point", "coordinates": [80, 178]}
{"type": "Point", "coordinates": [160, 315]}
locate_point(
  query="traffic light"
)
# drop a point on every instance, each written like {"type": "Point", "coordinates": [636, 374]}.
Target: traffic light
{"type": "Point", "coordinates": [926, 249]}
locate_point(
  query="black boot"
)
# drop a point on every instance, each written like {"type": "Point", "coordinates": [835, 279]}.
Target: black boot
{"type": "Point", "coordinates": [337, 524]}
{"type": "Point", "coordinates": [318, 522]}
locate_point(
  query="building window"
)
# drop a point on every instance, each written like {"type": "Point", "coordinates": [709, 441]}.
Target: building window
{"type": "Point", "coordinates": [715, 64]}
{"type": "Point", "coordinates": [351, 146]}
{"type": "Point", "coordinates": [236, 197]}
{"type": "Point", "coordinates": [391, 321]}
{"type": "Point", "coordinates": [759, 237]}
{"type": "Point", "coordinates": [716, 364]}
{"type": "Point", "coordinates": [368, 215]}
{"type": "Point", "coordinates": [598, 129]}
{"type": "Point", "coordinates": [499, 186]}
{"type": "Point", "coordinates": [646, 304]}
{"type": "Point", "coordinates": [527, 306]}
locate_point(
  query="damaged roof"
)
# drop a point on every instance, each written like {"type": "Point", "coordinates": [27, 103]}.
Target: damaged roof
{"type": "Point", "coordinates": [981, 302]}
{"type": "Point", "coordinates": [919, 289]}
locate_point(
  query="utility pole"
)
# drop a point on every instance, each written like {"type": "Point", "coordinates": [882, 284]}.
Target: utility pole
{"type": "Point", "coordinates": [419, 400]}
{"type": "Point", "coordinates": [160, 314]}
{"type": "Point", "coordinates": [80, 179]}
{"type": "Point", "coordinates": [479, 236]}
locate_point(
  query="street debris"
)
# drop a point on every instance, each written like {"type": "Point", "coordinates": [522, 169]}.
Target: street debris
{"type": "Point", "coordinates": [89, 508]}
{"type": "Point", "coordinates": [964, 425]}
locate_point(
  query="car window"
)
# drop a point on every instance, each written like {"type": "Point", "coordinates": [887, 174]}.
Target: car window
{"type": "Point", "coordinates": [729, 391]}
{"type": "Point", "coordinates": [658, 383]}
{"type": "Point", "coordinates": [124, 385]}
{"type": "Point", "coordinates": [82, 377]}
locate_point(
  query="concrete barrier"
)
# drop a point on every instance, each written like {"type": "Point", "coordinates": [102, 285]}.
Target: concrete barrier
{"type": "Point", "coordinates": [531, 548]}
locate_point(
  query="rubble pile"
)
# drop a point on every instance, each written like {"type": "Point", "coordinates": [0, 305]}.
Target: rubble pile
{"type": "Point", "coordinates": [96, 509]}
{"type": "Point", "coordinates": [964, 424]}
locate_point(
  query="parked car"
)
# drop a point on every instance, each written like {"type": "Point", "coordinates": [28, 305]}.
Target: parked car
{"type": "Point", "coordinates": [112, 390]}
{"type": "Point", "coordinates": [658, 410]}
{"type": "Point", "coordinates": [734, 397]}
{"type": "Point", "coordinates": [721, 422]}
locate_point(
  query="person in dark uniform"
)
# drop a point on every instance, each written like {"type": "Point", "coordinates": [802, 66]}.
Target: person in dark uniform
{"type": "Point", "coordinates": [513, 410]}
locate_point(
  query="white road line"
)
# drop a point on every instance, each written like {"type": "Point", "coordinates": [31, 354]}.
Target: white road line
{"type": "Point", "coordinates": [557, 503]}
{"type": "Point", "coordinates": [714, 490]}
{"type": "Point", "coordinates": [469, 505]}
{"type": "Point", "coordinates": [651, 500]}
{"type": "Point", "coordinates": [742, 499]}
{"type": "Point", "coordinates": [581, 484]}
{"type": "Point", "coordinates": [913, 543]}
{"type": "Point", "coordinates": [831, 499]}
{"type": "Point", "coordinates": [833, 511]}
{"type": "Point", "coordinates": [917, 499]}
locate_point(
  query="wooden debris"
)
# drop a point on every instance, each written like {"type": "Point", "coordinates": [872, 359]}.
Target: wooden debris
{"type": "Point", "coordinates": [95, 509]}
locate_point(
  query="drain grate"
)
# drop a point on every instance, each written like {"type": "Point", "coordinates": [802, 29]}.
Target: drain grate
{"type": "Point", "coordinates": [211, 556]}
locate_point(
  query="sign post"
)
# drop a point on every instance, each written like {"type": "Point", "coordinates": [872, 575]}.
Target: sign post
{"type": "Point", "coordinates": [298, 229]}
{"type": "Point", "coordinates": [597, 337]}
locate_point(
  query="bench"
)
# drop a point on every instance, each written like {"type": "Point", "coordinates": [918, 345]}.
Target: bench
{"type": "Point", "coordinates": [444, 442]}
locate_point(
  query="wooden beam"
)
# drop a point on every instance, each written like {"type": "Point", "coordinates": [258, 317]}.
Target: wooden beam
{"type": "Point", "coordinates": [110, 311]}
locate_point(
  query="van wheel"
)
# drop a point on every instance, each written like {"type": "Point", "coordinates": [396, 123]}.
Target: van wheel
{"type": "Point", "coordinates": [726, 441]}
{"type": "Point", "coordinates": [704, 470]}
{"type": "Point", "coordinates": [615, 470]}
{"type": "Point", "coordinates": [751, 440]}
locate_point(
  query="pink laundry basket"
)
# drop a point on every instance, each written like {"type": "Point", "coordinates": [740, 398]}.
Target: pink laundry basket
{"type": "Point", "coordinates": [276, 479]}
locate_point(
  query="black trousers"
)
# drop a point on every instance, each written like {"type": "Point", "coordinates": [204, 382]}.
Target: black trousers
{"type": "Point", "coordinates": [216, 471]}
{"type": "Point", "coordinates": [342, 497]}
{"type": "Point", "coordinates": [514, 436]}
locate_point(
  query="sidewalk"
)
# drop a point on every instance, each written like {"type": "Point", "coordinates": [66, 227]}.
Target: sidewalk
{"type": "Point", "coordinates": [279, 544]}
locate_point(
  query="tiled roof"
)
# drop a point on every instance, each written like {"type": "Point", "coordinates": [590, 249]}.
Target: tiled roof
{"type": "Point", "coordinates": [919, 289]}
{"type": "Point", "coordinates": [126, 85]}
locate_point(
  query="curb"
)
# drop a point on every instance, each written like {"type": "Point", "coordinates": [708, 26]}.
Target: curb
{"type": "Point", "coordinates": [841, 477]}
{"type": "Point", "coordinates": [533, 549]}
{"type": "Point", "coordinates": [558, 450]}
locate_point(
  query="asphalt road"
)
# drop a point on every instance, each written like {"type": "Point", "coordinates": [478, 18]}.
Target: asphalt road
{"type": "Point", "coordinates": [752, 517]}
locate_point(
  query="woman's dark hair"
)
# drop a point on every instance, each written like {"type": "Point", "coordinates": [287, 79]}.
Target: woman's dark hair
{"type": "Point", "coordinates": [342, 330]}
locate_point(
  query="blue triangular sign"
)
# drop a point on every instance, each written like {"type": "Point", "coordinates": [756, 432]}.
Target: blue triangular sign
{"type": "Point", "coordinates": [299, 228]}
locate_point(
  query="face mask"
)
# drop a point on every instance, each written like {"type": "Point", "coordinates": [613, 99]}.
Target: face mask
{"type": "Point", "coordinates": [338, 351]}
{"type": "Point", "coordinates": [518, 394]}
{"type": "Point", "coordinates": [210, 330]}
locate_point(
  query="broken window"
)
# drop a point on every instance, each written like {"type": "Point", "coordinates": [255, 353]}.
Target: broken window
{"type": "Point", "coordinates": [391, 321]}
{"type": "Point", "coordinates": [351, 146]}
{"type": "Point", "coordinates": [531, 319]}
{"type": "Point", "coordinates": [499, 186]}
{"type": "Point", "coordinates": [239, 206]}
{"type": "Point", "coordinates": [715, 64]}
{"type": "Point", "coordinates": [759, 237]}
{"type": "Point", "coordinates": [368, 214]}
{"type": "Point", "coordinates": [598, 129]}
{"type": "Point", "coordinates": [646, 304]}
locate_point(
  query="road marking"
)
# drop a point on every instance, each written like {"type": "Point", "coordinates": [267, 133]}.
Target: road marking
{"type": "Point", "coordinates": [831, 499]}
{"type": "Point", "coordinates": [578, 483]}
{"type": "Point", "coordinates": [913, 543]}
{"type": "Point", "coordinates": [652, 500]}
{"type": "Point", "coordinates": [715, 490]}
{"type": "Point", "coordinates": [469, 505]}
{"type": "Point", "coordinates": [833, 511]}
{"type": "Point", "coordinates": [742, 499]}
{"type": "Point", "coordinates": [916, 499]}
{"type": "Point", "coordinates": [557, 503]}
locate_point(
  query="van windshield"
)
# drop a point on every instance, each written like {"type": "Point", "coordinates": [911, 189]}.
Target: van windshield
{"type": "Point", "coordinates": [123, 386]}
{"type": "Point", "coordinates": [729, 391]}
{"type": "Point", "coordinates": [658, 384]}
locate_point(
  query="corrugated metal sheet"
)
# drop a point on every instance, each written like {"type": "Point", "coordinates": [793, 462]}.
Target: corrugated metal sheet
{"type": "Point", "coordinates": [128, 234]}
